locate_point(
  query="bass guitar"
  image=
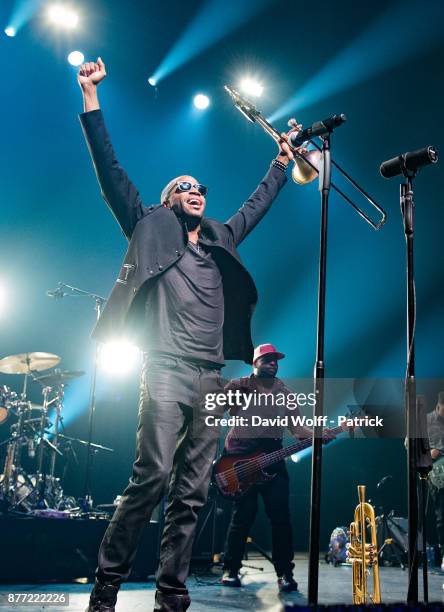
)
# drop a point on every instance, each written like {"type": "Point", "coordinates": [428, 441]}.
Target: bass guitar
{"type": "Point", "coordinates": [235, 474]}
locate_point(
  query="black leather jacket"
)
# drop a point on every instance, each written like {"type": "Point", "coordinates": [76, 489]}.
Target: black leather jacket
{"type": "Point", "coordinates": [157, 240]}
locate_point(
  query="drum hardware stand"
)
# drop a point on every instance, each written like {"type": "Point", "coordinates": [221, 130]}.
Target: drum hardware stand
{"type": "Point", "coordinates": [94, 447]}
{"type": "Point", "coordinates": [58, 405]}
{"type": "Point", "coordinates": [69, 452]}
{"type": "Point", "coordinates": [87, 501]}
{"type": "Point", "coordinates": [41, 485]}
{"type": "Point", "coordinates": [44, 442]}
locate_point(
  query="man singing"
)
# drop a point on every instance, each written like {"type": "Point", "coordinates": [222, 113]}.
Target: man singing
{"type": "Point", "coordinates": [184, 296]}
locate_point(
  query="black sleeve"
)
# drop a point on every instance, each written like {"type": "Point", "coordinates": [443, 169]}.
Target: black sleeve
{"type": "Point", "coordinates": [257, 204]}
{"type": "Point", "coordinates": [118, 191]}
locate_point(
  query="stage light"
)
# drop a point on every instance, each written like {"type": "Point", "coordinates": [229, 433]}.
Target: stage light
{"type": "Point", "coordinates": [21, 14]}
{"type": "Point", "coordinates": [294, 458]}
{"type": "Point", "coordinates": [201, 101]}
{"type": "Point", "coordinates": [63, 16]}
{"type": "Point", "coordinates": [214, 20]}
{"type": "Point", "coordinates": [152, 82]}
{"type": "Point", "coordinates": [75, 58]}
{"type": "Point", "coordinates": [251, 87]}
{"type": "Point", "coordinates": [118, 357]}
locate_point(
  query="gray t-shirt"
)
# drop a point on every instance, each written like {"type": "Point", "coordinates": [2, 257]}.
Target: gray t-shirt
{"type": "Point", "coordinates": [185, 309]}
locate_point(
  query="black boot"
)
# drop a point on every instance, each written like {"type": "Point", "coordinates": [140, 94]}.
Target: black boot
{"type": "Point", "coordinates": [287, 583]}
{"type": "Point", "coordinates": [171, 603]}
{"type": "Point", "coordinates": [103, 598]}
{"type": "Point", "coordinates": [231, 578]}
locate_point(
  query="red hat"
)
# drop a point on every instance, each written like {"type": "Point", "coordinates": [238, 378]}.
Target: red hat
{"type": "Point", "coordinates": [266, 349]}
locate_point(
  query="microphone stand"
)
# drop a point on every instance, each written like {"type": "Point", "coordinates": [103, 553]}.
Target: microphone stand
{"type": "Point", "coordinates": [407, 211]}
{"type": "Point", "coordinates": [418, 452]}
{"type": "Point", "coordinates": [319, 372]}
{"type": "Point", "coordinates": [87, 501]}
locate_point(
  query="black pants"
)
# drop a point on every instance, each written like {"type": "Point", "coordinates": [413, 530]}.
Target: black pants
{"type": "Point", "coordinates": [275, 494]}
{"type": "Point", "coordinates": [174, 451]}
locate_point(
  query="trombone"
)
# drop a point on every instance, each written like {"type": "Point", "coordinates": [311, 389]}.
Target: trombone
{"type": "Point", "coordinates": [306, 165]}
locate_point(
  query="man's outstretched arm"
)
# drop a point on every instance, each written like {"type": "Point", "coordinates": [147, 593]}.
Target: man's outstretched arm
{"type": "Point", "coordinates": [118, 191]}
{"type": "Point", "coordinates": [260, 201]}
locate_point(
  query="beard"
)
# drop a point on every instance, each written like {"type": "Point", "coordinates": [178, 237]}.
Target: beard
{"type": "Point", "coordinates": [190, 221]}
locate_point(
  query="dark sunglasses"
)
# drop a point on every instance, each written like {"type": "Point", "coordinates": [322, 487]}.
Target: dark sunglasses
{"type": "Point", "coordinates": [187, 186]}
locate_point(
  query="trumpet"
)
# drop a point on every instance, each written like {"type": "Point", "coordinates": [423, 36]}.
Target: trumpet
{"type": "Point", "coordinates": [307, 163]}
{"type": "Point", "coordinates": [363, 555]}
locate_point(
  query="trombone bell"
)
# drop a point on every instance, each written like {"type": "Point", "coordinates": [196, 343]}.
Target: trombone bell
{"type": "Point", "coordinates": [302, 173]}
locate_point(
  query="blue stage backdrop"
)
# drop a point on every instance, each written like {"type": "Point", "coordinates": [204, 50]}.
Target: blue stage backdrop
{"type": "Point", "coordinates": [314, 59]}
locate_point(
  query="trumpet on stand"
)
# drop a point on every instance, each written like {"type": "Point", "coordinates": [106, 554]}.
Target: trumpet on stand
{"type": "Point", "coordinates": [308, 165]}
{"type": "Point", "coordinates": [363, 554]}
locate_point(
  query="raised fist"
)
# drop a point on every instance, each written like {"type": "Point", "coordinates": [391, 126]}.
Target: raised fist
{"type": "Point", "coordinates": [91, 73]}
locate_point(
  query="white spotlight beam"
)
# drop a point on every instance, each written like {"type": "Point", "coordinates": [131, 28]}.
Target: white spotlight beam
{"type": "Point", "coordinates": [63, 16]}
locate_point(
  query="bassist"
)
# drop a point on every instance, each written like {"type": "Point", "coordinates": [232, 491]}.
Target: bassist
{"type": "Point", "coordinates": [275, 492]}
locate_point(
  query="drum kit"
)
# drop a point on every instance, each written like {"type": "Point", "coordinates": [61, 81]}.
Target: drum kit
{"type": "Point", "coordinates": [34, 438]}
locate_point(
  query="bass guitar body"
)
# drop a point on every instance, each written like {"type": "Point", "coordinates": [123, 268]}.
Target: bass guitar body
{"type": "Point", "coordinates": [235, 474]}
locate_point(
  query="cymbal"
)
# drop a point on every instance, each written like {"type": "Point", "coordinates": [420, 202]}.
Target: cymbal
{"type": "Point", "coordinates": [59, 377]}
{"type": "Point", "coordinates": [24, 363]}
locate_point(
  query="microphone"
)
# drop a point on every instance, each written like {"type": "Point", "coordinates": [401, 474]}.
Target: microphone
{"type": "Point", "coordinates": [57, 293]}
{"type": "Point", "coordinates": [319, 128]}
{"type": "Point", "coordinates": [409, 163]}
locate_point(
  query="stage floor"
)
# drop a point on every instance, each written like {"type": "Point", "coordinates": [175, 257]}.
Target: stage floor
{"type": "Point", "coordinates": [259, 590]}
